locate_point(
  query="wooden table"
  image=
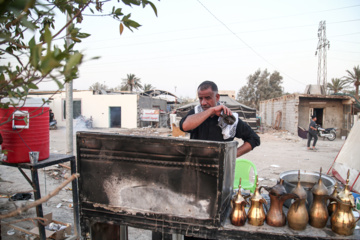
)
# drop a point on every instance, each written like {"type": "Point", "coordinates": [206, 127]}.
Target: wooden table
{"type": "Point", "coordinates": [34, 182]}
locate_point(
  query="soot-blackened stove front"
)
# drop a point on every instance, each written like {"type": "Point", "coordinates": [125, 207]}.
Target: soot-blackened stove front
{"type": "Point", "coordinates": [170, 185]}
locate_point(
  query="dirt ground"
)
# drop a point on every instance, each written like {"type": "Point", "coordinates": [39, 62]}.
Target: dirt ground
{"type": "Point", "coordinates": [279, 151]}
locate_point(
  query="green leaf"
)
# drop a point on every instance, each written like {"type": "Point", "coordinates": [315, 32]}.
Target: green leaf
{"type": "Point", "coordinates": [47, 38]}
{"type": "Point", "coordinates": [73, 61]}
{"type": "Point", "coordinates": [60, 85]}
{"type": "Point", "coordinates": [32, 42]}
{"type": "Point", "coordinates": [48, 63]}
{"type": "Point", "coordinates": [28, 24]}
{"type": "Point", "coordinates": [35, 53]}
{"type": "Point", "coordinates": [83, 35]}
{"type": "Point", "coordinates": [153, 7]}
{"type": "Point", "coordinates": [2, 78]}
{"type": "Point", "coordinates": [127, 2]}
{"type": "Point", "coordinates": [75, 39]}
{"type": "Point", "coordinates": [32, 86]}
{"type": "Point", "coordinates": [26, 120]}
{"type": "Point", "coordinates": [118, 12]}
{"type": "Point", "coordinates": [133, 24]}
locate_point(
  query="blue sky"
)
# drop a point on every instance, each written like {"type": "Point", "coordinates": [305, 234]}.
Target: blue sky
{"type": "Point", "coordinates": [224, 41]}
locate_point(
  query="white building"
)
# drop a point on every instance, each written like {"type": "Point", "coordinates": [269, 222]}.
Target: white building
{"type": "Point", "coordinates": [119, 110]}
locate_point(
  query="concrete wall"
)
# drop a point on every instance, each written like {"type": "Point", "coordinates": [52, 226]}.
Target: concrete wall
{"type": "Point", "coordinates": [291, 113]}
{"type": "Point", "coordinates": [152, 103]}
{"type": "Point", "coordinates": [149, 103]}
{"type": "Point", "coordinates": [333, 111]}
{"type": "Point", "coordinates": [287, 105]}
{"type": "Point", "coordinates": [296, 111]}
{"type": "Point", "coordinates": [98, 107]}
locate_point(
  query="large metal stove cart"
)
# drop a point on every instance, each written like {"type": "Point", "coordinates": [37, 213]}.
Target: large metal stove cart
{"type": "Point", "coordinates": [168, 185]}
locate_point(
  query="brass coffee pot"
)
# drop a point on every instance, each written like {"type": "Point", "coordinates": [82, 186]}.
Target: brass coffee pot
{"type": "Point", "coordinates": [238, 214]}
{"type": "Point", "coordinates": [343, 221]}
{"type": "Point", "coordinates": [345, 195]}
{"type": "Point", "coordinates": [318, 213]}
{"type": "Point", "coordinates": [276, 217]}
{"type": "Point", "coordinates": [332, 204]}
{"type": "Point", "coordinates": [256, 215]}
{"type": "Point", "coordinates": [298, 216]}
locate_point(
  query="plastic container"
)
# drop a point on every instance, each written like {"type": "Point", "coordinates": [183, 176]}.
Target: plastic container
{"type": "Point", "coordinates": [24, 129]}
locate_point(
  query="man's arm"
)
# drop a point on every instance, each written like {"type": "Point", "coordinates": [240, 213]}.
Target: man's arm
{"type": "Point", "coordinates": [250, 138]}
{"type": "Point", "coordinates": [194, 120]}
{"type": "Point", "coordinates": [245, 148]}
{"type": "Point", "coordinates": [313, 126]}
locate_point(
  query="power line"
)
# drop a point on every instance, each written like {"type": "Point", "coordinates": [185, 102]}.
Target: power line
{"type": "Point", "coordinates": [299, 14]}
{"type": "Point", "coordinates": [263, 19]}
{"type": "Point", "coordinates": [260, 30]}
{"type": "Point", "coordinates": [252, 49]}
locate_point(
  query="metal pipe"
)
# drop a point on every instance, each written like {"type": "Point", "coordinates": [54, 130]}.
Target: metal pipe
{"type": "Point", "coordinates": [69, 104]}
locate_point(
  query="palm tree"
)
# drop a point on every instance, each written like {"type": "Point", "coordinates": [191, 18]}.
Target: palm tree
{"type": "Point", "coordinates": [337, 85]}
{"type": "Point", "coordinates": [354, 77]}
{"type": "Point", "coordinates": [131, 83]}
{"type": "Point", "coordinates": [148, 87]}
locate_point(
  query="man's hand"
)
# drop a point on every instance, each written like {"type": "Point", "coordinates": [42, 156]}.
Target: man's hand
{"type": "Point", "coordinates": [193, 121]}
{"type": "Point", "coordinates": [221, 108]}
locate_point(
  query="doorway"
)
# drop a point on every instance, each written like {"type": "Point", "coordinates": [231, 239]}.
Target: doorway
{"type": "Point", "coordinates": [115, 117]}
{"type": "Point", "coordinates": [319, 113]}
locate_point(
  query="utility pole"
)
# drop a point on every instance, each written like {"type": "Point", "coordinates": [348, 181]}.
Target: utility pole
{"type": "Point", "coordinates": [69, 105]}
{"type": "Point", "coordinates": [321, 51]}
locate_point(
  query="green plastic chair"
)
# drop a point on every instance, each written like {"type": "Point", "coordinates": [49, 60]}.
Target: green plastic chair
{"type": "Point", "coordinates": [242, 170]}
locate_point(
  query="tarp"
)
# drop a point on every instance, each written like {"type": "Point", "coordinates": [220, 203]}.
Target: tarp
{"type": "Point", "coordinates": [349, 158]}
{"type": "Point", "coordinates": [247, 114]}
{"type": "Point", "coordinates": [227, 101]}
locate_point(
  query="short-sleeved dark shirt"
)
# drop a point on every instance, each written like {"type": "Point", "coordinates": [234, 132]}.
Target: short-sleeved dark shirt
{"type": "Point", "coordinates": [209, 130]}
{"type": "Point", "coordinates": [312, 124]}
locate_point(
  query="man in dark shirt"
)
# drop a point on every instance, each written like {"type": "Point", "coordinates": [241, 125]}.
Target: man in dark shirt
{"type": "Point", "coordinates": [312, 133]}
{"type": "Point", "coordinates": [51, 115]}
{"type": "Point", "coordinates": [203, 121]}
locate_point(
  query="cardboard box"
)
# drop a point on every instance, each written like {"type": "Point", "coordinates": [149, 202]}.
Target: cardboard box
{"type": "Point", "coordinates": [57, 235]}
{"type": "Point", "coordinates": [176, 132]}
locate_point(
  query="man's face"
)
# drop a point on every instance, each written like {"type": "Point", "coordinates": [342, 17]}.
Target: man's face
{"type": "Point", "coordinates": [208, 98]}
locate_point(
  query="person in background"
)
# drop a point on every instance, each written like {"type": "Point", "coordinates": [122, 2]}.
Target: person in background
{"type": "Point", "coordinates": [312, 133]}
{"type": "Point", "coordinates": [51, 115]}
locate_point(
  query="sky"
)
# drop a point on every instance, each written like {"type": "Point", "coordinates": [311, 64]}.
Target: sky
{"type": "Point", "coordinates": [191, 41]}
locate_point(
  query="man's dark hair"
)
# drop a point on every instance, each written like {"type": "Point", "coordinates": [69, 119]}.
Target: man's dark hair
{"type": "Point", "coordinates": [208, 84]}
{"type": "Point", "coordinates": [313, 116]}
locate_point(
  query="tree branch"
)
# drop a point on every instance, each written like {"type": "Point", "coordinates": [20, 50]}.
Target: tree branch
{"type": "Point", "coordinates": [41, 200]}
{"type": "Point", "coordinates": [23, 220]}
{"type": "Point", "coordinates": [68, 23]}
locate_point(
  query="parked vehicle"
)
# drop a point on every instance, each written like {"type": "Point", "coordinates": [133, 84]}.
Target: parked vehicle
{"type": "Point", "coordinates": [329, 133]}
{"type": "Point", "coordinates": [53, 125]}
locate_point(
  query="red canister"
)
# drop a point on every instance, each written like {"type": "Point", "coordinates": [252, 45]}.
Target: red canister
{"type": "Point", "coordinates": [25, 128]}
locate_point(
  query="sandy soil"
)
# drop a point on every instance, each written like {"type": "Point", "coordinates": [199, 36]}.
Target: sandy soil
{"type": "Point", "coordinates": [279, 151]}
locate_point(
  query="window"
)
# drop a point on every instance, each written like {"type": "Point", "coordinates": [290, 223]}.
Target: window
{"type": "Point", "coordinates": [76, 109]}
